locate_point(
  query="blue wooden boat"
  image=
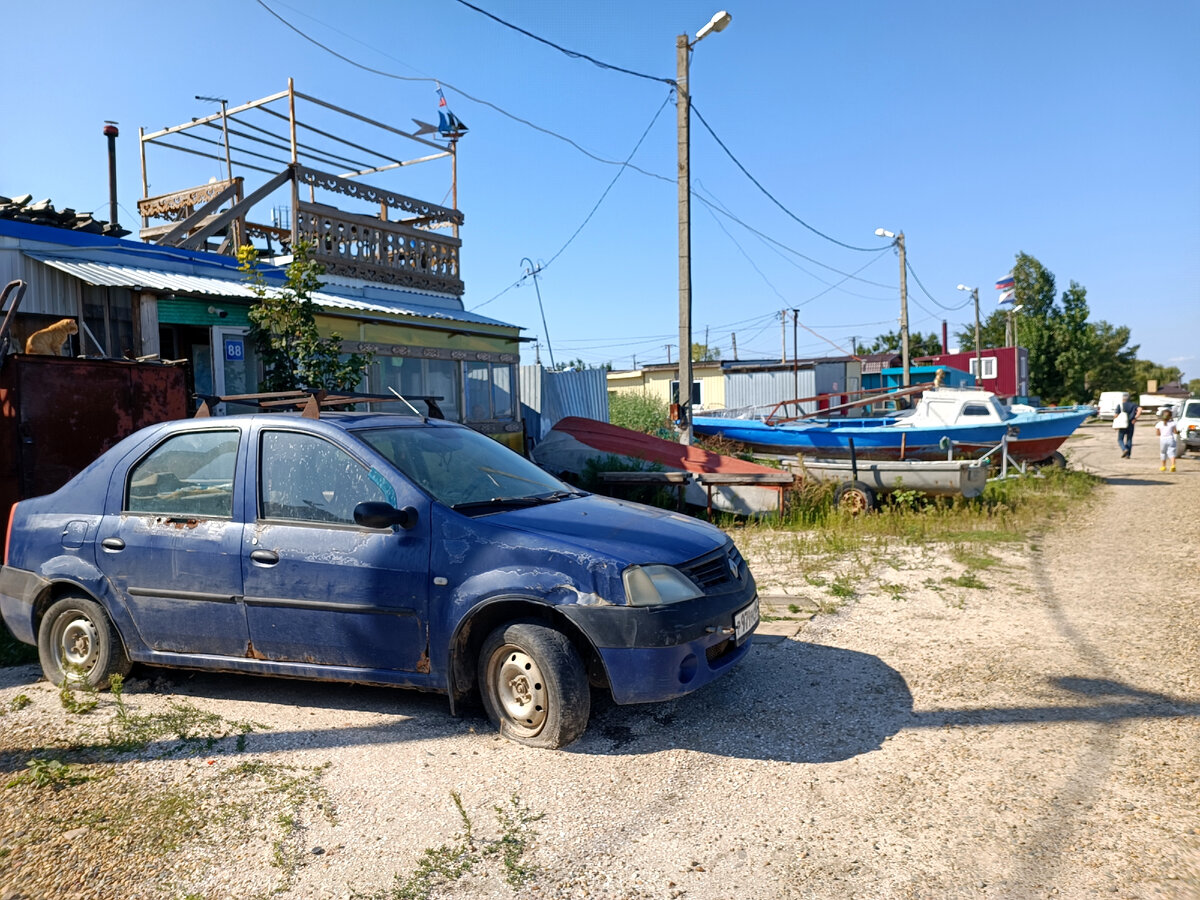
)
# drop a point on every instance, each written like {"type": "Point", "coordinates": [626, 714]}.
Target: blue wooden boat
{"type": "Point", "coordinates": [974, 422]}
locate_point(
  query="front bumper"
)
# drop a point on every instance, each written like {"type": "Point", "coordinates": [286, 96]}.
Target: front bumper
{"type": "Point", "coordinates": [658, 653]}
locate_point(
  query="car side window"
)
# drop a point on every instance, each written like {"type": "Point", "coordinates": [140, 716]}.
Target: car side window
{"type": "Point", "coordinates": [306, 478]}
{"type": "Point", "coordinates": [186, 475]}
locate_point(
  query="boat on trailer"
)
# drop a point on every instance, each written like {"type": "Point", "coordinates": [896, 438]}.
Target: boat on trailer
{"type": "Point", "coordinates": [964, 422]}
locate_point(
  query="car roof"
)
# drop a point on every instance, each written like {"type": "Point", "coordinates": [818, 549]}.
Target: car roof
{"type": "Point", "coordinates": [345, 421]}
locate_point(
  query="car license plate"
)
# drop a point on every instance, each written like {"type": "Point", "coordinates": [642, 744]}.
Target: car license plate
{"type": "Point", "coordinates": [744, 621]}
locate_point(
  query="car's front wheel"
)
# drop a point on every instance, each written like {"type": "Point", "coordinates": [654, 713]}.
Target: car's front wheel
{"type": "Point", "coordinates": [533, 684]}
{"type": "Point", "coordinates": [77, 643]}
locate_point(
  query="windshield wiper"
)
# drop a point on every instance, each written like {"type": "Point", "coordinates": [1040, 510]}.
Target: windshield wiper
{"type": "Point", "coordinates": [515, 502]}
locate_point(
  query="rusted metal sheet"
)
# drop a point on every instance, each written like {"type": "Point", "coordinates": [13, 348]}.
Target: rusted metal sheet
{"type": "Point", "coordinates": [58, 414]}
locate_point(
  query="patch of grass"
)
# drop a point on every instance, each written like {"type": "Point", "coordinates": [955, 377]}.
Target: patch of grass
{"type": "Point", "coordinates": [793, 608]}
{"type": "Point", "coordinates": [966, 580]}
{"type": "Point", "coordinates": [842, 587]}
{"type": "Point", "coordinates": [895, 591]}
{"type": "Point", "coordinates": [973, 559]}
{"type": "Point", "coordinates": [816, 580]}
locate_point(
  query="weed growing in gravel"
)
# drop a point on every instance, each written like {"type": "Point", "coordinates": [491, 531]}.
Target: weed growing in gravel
{"type": "Point", "coordinates": [75, 694]}
{"type": "Point", "coordinates": [440, 867]}
{"type": "Point", "coordinates": [299, 787]}
{"type": "Point", "coordinates": [973, 559]}
{"type": "Point", "coordinates": [194, 728]}
{"type": "Point", "coordinates": [41, 772]}
{"type": "Point", "coordinates": [895, 591]}
{"type": "Point", "coordinates": [515, 835]}
{"type": "Point", "coordinates": [842, 588]}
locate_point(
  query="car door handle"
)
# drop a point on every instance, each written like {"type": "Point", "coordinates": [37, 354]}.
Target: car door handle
{"type": "Point", "coordinates": [113, 543]}
{"type": "Point", "coordinates": [265, 557]}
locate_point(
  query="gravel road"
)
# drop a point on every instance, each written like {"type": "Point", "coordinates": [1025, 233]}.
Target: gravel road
{"type": "Point", "coordinates": [1032, 733]}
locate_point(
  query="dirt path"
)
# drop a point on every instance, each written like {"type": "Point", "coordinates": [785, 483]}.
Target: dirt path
{"type": "Point", "coordinates": [1032, 733]}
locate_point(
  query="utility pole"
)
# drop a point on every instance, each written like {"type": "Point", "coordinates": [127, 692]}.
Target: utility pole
{"type": "Point", "coordinates": [978, 362]}
{"type": "Point", "coordinates": [904, 360]}
{"type": "Point", "coordinates": [668, 346]}
{"type": "Point", "coordinates": [795, 365]}
{"type": "Point", "coordinates": [683, 113]}
{"type": "Point", "coordinates": [899, 241]}
{"type": "Point", "coordinates": [733, 341]}
{"type": "Point", "coordinates": [533, 270]}
{"type": "Point", "coordinates": [782, 336]}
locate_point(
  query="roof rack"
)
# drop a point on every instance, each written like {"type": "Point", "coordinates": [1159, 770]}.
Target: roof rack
{"type": "Point", "coordinates": [310, 403]}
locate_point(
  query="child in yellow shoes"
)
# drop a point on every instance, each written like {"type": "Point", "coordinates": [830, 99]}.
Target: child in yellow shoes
{"type": "Point", "coordinates": [1167, 430]}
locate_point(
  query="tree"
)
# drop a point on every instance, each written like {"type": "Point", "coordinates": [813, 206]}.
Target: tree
{"type": "Point", "coordinates": [1145, 371]}
{"type": "Point", "coordinates": [283, 324]}
{"type": "Point", "coordinates": [1070, 358]}
{"type": "Point", "coordinates": [918, 344]}
{"type": "Point", "coordinates": [581, 365]}
{"type": "Point", "coordinates": [705, 353]}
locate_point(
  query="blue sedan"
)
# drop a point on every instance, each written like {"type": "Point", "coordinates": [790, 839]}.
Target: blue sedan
{"type": "Point", "coordinates": [372, 548]}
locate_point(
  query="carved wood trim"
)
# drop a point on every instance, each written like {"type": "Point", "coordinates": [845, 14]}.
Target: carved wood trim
{"type": "Point", "coordinates": [422, 209]}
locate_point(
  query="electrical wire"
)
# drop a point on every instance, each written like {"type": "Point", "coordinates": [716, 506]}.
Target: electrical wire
{"type": "Point", "coordinates": [473, 99]}
{"type": "Point", "coordinates": [767, 193]}
{"type": "Point", "coordinates": [908, 265]}
{"type": "Point", "coordinates": [595, 207]}
{"type": "Point", "coordinates": [571, 53]}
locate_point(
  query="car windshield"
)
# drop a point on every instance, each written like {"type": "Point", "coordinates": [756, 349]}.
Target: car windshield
{"type": "Point", "coordinates": [1192, 410]}
{"type": "Point", "coordinates": [465, 469]}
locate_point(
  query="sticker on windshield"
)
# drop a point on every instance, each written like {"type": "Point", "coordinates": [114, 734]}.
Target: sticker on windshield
{"type": "Point", "coordinates": [389, 492]}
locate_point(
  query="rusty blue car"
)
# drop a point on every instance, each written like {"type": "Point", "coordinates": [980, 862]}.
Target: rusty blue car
{"type": "Point", "coordinates": [372, 548]}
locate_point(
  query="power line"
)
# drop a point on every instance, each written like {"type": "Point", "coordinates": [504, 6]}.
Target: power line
{"type": "Point", "coordinates": [571, 53]}
{"type": "Point", "coordinates": [595, 207]}
{"type": "Point", "coordinates": [768, 194]}
{"type": "Point", "coordinates": [473, 99]}
{"type": "Point", "coordinates": [908, 265]}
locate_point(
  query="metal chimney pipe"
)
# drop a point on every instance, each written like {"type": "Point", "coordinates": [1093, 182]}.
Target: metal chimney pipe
{"type": "Point", "coordinates": [111, 132]}
{"type": "Point", "coordinates": [944, 336]}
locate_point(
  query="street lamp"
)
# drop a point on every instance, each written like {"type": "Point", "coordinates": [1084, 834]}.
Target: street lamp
{"type": "Point", "coordinates": [904, 361]}
{"type": "Point", "coordinates": [683, 109]}
{"type": "Point", "coordinates": [978, 365]}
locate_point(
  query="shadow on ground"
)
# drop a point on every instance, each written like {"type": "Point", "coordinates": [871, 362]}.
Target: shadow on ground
{"type": "Point", "coordinates": [788, 701]}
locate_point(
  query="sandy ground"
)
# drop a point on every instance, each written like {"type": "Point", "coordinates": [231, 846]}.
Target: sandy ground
{"type": "Point", "coordinates": [1034, 733]}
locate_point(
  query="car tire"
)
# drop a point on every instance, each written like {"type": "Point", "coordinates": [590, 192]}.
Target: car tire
{"type": "Point", "coordinates": [77, 641]}
{"type": "Point", "coordinates": [854, 497]}
{"type": "Point", "coordinates": [534, 685]}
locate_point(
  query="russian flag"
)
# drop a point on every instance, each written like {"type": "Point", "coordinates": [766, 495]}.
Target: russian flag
{"type": "Point", "coordinates": [1006, 283]}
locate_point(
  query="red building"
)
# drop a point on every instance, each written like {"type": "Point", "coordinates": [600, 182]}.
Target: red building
{"type": "Point", "coordinates": [1005, 369]}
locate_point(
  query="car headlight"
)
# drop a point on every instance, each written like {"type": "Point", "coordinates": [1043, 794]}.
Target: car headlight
{"type": "Point", "coordinates": [657, 585]}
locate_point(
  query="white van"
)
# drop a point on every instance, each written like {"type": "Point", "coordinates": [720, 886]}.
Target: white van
{"type": "Point", "coordinates": [1108, 403]}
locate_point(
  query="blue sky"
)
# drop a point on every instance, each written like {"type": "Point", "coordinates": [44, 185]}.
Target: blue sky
{"type": "Point", "coordinates": [1066, 130]}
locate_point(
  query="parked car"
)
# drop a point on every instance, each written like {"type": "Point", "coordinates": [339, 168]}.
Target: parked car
{"type": "Point", "coordinates": [372, 548]}
{"type": "Point", "coordinates": [1188, 424]}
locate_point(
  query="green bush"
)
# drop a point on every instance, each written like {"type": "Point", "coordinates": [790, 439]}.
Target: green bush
{"type": "Point", "coordinates": [640, 412]}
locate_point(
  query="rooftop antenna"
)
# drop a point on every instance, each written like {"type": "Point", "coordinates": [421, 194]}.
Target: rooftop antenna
{"type": "Point", "coordinates": [406, 403]}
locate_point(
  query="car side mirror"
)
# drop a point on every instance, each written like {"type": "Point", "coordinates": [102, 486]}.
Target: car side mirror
{"type": "Point", "coordinates": [377, 514]}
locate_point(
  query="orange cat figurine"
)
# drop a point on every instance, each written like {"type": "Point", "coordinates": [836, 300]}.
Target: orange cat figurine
{"type": "Point", "coordinates": [49, 341]}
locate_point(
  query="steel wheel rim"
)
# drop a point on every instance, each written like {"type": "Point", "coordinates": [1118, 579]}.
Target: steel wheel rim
{"type": "Point", "coordinates": [854, 502]}
{"type": "Point", "coordinates": [520, 689]}
{"type": "Point", "coordinates": [77, 645]}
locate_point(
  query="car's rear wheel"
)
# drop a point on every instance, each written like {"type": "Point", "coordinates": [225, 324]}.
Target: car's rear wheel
{"type": "Point", "coordinates": [534, 685]}
{"type": "Point", "coordinates": [78, 644]}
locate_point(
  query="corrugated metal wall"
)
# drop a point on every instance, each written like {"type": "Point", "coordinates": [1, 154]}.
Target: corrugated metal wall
{"type": "Point", "coordinates": [50, 292]}
{"type": "Point", "coordinates": [762, 390]}
{"type": "Point", "coordinates": [549, 396]}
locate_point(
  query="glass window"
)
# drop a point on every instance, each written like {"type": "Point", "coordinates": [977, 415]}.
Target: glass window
{"type": "Point", "coordinates": [695, 393]}
{"type": "Point", "coordinates": [413, 378]}
{"type": "Point", "coordinates": [457, 465]}
{"type": "Point", "coordinates": [975, 409]}
{"type": "Point", "coordinates": [479, 391]}
{"type": "Point", "coordinates": [502, 393]}
{"type": "Point", "coordinates": [186, 475]}
{"type": "Point", "coordinates": [303, 477]}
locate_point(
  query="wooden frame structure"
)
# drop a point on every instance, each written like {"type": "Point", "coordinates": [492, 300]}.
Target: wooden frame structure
{"type": "Point", "coordinates": [411, 250]}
